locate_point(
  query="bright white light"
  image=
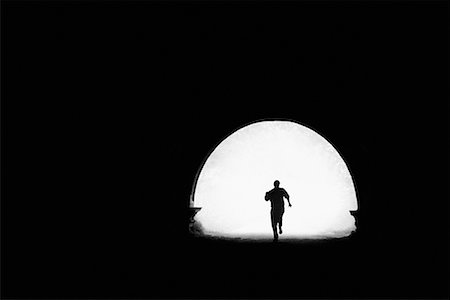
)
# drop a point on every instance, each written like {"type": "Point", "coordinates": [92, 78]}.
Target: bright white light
{"type": "Point", "coordinates": [232, 183]}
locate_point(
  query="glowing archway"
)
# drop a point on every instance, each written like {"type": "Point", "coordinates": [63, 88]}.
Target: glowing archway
{"type": "Point", "coordinates": [232, 183]}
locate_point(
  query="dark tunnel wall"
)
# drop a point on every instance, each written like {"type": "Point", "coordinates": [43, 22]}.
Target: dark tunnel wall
{"type": "Point", "coordinates": [111, 108]}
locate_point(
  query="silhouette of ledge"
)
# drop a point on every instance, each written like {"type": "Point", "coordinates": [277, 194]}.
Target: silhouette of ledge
{"type": "Point", "coordinates": [355, 214]}
{"type": "Point", "coordinates": [192, 211]}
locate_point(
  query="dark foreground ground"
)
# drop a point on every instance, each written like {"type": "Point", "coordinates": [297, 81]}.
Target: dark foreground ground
{"type": "Point", "coordinates": [263, 239]}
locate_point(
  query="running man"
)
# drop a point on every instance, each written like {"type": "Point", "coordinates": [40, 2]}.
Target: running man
{"type": "Point", "coordinates": [277, 202]}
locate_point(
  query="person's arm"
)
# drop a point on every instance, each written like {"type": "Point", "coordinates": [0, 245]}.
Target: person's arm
{"type": "Point", "coordinates": [286, 195]}
{"type": "Point", "coordinates": [267, 197]}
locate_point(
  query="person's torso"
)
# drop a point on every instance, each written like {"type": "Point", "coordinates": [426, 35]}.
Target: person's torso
{"type": "Point", "coordinates": [276, 197]}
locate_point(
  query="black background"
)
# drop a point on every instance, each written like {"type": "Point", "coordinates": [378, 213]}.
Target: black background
{"type": "Point", "coordinates": [109, 108]}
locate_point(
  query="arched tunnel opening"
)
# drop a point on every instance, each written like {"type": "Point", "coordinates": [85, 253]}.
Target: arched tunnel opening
{"type": "Point", "coordinates": [228, 200]}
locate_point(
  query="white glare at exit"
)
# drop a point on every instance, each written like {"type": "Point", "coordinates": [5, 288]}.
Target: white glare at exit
{"type": "Point", "coordinates": [234, 179]}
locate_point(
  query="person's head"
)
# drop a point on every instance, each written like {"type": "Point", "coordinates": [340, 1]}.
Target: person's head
{"type": "Point", "coordinates": [276, 183]}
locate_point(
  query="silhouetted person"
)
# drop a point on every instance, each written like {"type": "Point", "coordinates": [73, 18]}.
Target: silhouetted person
{"type": "Point", "coordinates": [277, 202]}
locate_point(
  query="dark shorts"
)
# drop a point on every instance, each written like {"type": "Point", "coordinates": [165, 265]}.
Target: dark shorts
{"type": "Point", "coordinates": [277, 214]}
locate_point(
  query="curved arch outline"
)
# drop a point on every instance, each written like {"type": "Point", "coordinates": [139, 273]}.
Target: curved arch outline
{"type": "Point", "coordinates": [272, 119]}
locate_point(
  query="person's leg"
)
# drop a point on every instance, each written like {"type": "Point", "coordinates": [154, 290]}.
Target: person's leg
{"type": "Point", "coordinates": [280, 221]}
{"type": "Point", "coordinates": [274, 224]}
